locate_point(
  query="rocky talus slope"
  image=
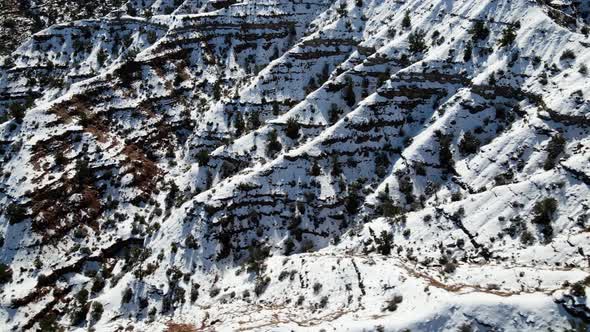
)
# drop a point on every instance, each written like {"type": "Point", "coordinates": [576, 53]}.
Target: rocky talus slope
{"type": "Point", "coordinates": [184, 165]}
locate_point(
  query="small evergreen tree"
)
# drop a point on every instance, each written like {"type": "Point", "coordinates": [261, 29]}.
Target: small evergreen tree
{"type": "Point", "coordinates": [202, 157]}
{"type": "Point", "coordinates": [101, 57]}
{"type": "Point", "coordinates": [273, 146]}
{"type": "Point", "coordinates": [508, 36]}
{"type": "Point", "coordinates": [348, 93]}
{"type": "Point", "coordinates": [407, 21]}
{"type": "Point", "coordinates": [336, 169]}
{"type": "Point", "coordinates": [555, 147]}
{"type": "Point", "coordinates": [384, 243]}
{"type": "Point", "coordinates": [253, 120]}
{"type": "Point", "coordinates": [315, 169]}
{"type": "Point", "coordinates": [97, 310]}
{"type": "Point", "coordinates": [239, 124]}
{"type": "Point", "coordinates": [15, 213]}
{"type": "Point", "coordinates": [5, 273]}
{"type": "Point", "coordinates": [544, 211]}
{"type": "Point", "coordinates": [292, 129]}
{"type": "Point", "coordinates": [445, 156]}
{"type": "Point", "coordinates": [479, 31]}
{"type": "Point", "coordinates": [334, 114]}
{"type": "Point", "coordinates": [468, 53]}
{"type": "Point", "coordinates": [469, 144]}
{"type": "Point", "coordinates": [417, 42]}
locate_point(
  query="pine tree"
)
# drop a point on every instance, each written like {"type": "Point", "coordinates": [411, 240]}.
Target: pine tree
{"type": "Point", "coordinates": [292, 129]}
{"type": "Point", "coordinates": [315, 169]}
{"type": "Point", "coordinates": [479, 31]}
{"type": "Point", "coordinates": [253, 120]}
{"type": "Point", "coordinates": [407, 21]}
{"type": "Point", "coordinates": [273, 146]}
{"type": "Point", "coordinates": [508, 36]}
{"type": "Point", "coordinates": [348, 93]}
{"type": "Point", "coordinates": [417, 42]}
{"type": "Point", "coordinates": [239, 124]}
{"type": "Point", "coordinates": [101, 57]}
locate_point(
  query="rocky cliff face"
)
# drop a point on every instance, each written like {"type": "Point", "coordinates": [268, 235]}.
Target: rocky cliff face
{"type": "Point", "coordinates": [291, 165]}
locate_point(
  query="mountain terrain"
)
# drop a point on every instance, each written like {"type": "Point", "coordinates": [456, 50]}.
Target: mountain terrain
{"type": "Point", "coordinates": [273, 165]}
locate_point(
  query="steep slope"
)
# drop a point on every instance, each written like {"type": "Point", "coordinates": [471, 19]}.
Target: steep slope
{"type": "Point", "coordinates": [275, 165]}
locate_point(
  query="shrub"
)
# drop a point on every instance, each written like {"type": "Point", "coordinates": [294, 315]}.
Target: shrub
{"type": "Point", "coordinates": [578, 289]}
{"type": "Point", "coordinates": [239, 124]}
{"type": "Point", "coordinates": [336, 169]}
{"type": "Point", "coordinates": [258, 254]}
{"type": "Point", "coordinates": [261, 285]}
{"type": "Point", "coordinates": [97, 310]}
{"type": "Point", "coordinates": [449, 267]}
{"type": "Point", "coordinates": [315, 169]}
{"type": "Point", "coordinates": [508, 36]}
{"type": "Point", "coordinates": [467, 53]}
{"type": "Point", "coordinates": [420, 168]}
{"type": "Point", "coordinates": [194, 292]}
{"type": "Point", "coordinates": [407, 21]}
{"type": "Point", "coordinates": [292, 129]}
{"type": "Point", "coordinates": [348, 93]}
{"type": "Point", "coordinates": [384, 243]}
{"type": "Point", "coordinates": [334, 114]}
{"type": "Point", "coordinates": [469, 144]}
{"type": "Point", "coordinates": [79, 315]}
{"type": "Point", "coordinates": [98, 285]}
{"type": "Point", "coordinates": [567, 55]}
{"type": "Point", "coordinates": [544, 210]}
{"type": "Point", "coordinates": [465, 328]}
{"type": "Point", "coordinates": [15, 213]}
{"type": "Point", "coordinates": [273, 146]}
{"type": "Point", "coordinates": [555, 147]}
{"type": "Point", "coordinates": [386, 208]}
{"type": "Point", "coordinates": [127, 295]}
{"type": "Point", "coordinates": [49, 323]}
{"type": "Point", "coordinates": [300, 300]}
{"type": "Point", "coordinates": [5, 273]}
{"type": "Point", "coordinates": [17, 111]}
{"type": "Point", "coordinates": [317, 288]}
{"type": "Point", "coordinates": [527, 238]}
{"type": "Point", "coordinates": [82, 296]}
{"type": "Point", "coordinates": [352, 200]}
{"type": "Point", "coordinates": [254, 120]}
{"type": "Point", "coordinates": [391, 305]}
{"type": "Point", "coordinates": [479, 31]}
{"type": "Point", "coordinates": [202, 157]}
{"type": "Point", "coordinates": [152, 37]}
{"type": "Point", "coordinates": [416, 41]}
{"type": "Point", "coordinates": [445, 155]}
{"type": "Point", "coordinates": [213, 292]}
{"type": "Point", "coordinates": [101, 57]}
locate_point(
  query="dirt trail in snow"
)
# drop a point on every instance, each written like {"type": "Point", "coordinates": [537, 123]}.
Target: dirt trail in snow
{"type": "Point", "coordinates": [257, 316]}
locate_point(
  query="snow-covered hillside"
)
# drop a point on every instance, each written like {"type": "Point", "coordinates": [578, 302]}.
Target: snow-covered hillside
{"type": "Point", "coordinates": [384, 165]}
